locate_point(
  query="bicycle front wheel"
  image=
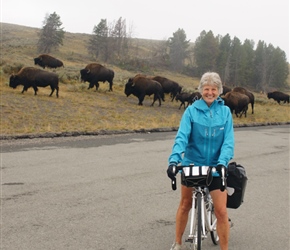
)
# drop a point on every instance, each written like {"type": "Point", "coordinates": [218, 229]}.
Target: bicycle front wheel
{"type": "Point", "coordinates": [213, 232]}
{"type": "Point", "coordinates": [198, 201]}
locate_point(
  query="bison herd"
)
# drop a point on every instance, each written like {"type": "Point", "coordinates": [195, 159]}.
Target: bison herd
{"type": "Point", "coordinates": [31, 77]}
{"type": "Point", "coordinates": [237, 98]}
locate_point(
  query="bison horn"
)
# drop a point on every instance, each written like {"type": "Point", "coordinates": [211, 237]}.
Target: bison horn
{"type": "Point", "coordinates": [88, 71]}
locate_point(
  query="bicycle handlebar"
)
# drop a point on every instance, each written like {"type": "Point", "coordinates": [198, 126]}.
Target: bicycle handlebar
{"type": "Point", "coordinates": [176, 169]}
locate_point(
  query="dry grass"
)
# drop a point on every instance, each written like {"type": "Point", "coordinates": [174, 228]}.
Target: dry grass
{"type": "Point", "coordinates": [87, 111]}
{"type": "Point", "coordinates": [81, 110]}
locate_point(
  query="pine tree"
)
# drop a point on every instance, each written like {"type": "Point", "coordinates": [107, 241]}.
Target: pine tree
{"type": "Point", "coordinates": [223, 58]}
{"type": "Point", "coordinates": [119, 37]}
{"type": "Point", "coordinates": [247, 64]}
{"type": "Point", "coordinates": [51, 35]}
{"type": "Point", "coordinates": [178, 46]}
{"type": "Point", "coordinates": [261, 65]}
{"type": "Point", "coordinates": [279, 69]}
{"type": "Point", "coordinates": [98, 44]}
{"type": "Point", "coordinates": [206, 50]}
{"type": "Point", "coordinates": [235, 70]}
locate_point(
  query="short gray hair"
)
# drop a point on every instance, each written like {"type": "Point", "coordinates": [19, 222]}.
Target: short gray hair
{"type": "Point", "coordinates": [212, 79]}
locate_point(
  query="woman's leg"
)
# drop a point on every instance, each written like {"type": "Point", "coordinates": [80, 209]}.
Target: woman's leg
{"type": "Point", "coordinates": [220, 208]}
{"type": "Point", "coordinates": [182, 212]}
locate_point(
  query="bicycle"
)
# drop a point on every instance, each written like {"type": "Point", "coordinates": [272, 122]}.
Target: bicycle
{"type": "Point", "coordinates": [202, 216]}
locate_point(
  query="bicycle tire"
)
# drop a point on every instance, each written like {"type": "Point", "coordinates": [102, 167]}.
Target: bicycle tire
{"type": "Point", "coordinates": [198, 201]}
{"type": "Point", "coordinates": [213, 233]}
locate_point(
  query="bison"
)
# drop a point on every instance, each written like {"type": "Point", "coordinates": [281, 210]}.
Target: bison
{"type": "Point", "coordinates": [195, 96]}
{"type": "Point", "coordinates": [226, 89]}
{"type": "Point", "coordinates": [33, 77]}
{"type": "Point", "coordinates": [95, 73]}
{"type": "Point", "coordinates": [237, 102]}
{"type": "Point", "coordinates": [48, 61]}
{"type": "Point", "coordinates": [248, 93]}
{"type": "Point", "coordinates": [169, 86]}
{"type": "Point", "coordinates": [278, 96]}
{"type": "Point", "coordinates": [187, 97]}
{"type": "Point", "coordinates": [141, 86]}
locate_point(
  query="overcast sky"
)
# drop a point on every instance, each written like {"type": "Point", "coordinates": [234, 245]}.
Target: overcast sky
{"type": "Point", "coordinates": [266, 20]}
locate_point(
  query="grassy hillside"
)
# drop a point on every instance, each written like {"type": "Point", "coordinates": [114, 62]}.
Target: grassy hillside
{"type": "Point", "coordinates": [80, 110]}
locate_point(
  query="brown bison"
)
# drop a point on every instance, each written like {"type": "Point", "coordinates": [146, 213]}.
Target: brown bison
{"type": "Point", "coordinates": [95, 73]}
{"type": "Point", "coordinates": [248, 93]}
{"type": "Point", "coordinates": [141, 86]}
{"type": "Point", "coordinates": [278, 96]}
{"type": "Point", "coordinates": [237, 102]}
{"type": "Point", "coordinates": [187, 97]}
{"type": "Point", "coordinates": [226, 89]}
{"type": "Point", "coordinates": [169, 86]}
{"type": "Point", "coordinates": [48, 61]}
{"type": "Point", "coordinates": [33, 77]}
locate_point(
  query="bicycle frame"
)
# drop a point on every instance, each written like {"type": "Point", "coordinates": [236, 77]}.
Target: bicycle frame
{"type": "Point", "coordinates": [202, 217]}
{"type": "Point", "coordinates": [206, 212]}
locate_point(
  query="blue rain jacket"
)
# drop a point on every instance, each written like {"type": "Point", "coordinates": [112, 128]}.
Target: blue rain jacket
{"type": "Point", "coordinates": [205, 136]}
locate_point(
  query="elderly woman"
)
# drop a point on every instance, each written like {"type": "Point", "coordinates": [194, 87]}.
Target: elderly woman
{"type": "Point", "coordinates": [205, 138]}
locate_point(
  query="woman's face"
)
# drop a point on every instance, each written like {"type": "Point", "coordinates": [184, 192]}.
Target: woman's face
{"type": "Point", "coordinates": [209, 93]}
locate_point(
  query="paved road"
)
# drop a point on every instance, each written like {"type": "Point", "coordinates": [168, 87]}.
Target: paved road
{"type": "Point", "coordinates": [112, 192]}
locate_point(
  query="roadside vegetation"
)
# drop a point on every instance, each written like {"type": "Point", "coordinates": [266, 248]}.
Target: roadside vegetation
{"type": "Point", "coordinates": [84, 111]}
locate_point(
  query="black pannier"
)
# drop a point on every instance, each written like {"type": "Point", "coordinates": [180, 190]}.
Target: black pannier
{"type": "Point", "coordinates": [236, 184]}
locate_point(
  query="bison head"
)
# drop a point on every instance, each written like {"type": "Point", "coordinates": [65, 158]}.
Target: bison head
{"type": "Point", "coordinates": [13, 81]}
{"type": "Point", "coordinates": [270, 95]}
{"type": "Point", "coordinates": [38, 61]}
{"type": "Point", "coordinates": [129, 87]}
{"type": "Point", "coordinates": [85, 73]}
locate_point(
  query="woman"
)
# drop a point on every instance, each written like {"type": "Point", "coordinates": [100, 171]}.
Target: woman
{"type": "Point", "coordinates": [205, 138]}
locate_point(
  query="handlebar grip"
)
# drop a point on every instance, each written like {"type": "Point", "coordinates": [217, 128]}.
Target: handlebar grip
{"type": "Point", "coordinates": [173, 184]}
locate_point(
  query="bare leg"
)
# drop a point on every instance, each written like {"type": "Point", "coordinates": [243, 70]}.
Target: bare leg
{"type": "Point", "coordinates": [220, 208]}
{"type": "Point", "coordinates": [182, 213]}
